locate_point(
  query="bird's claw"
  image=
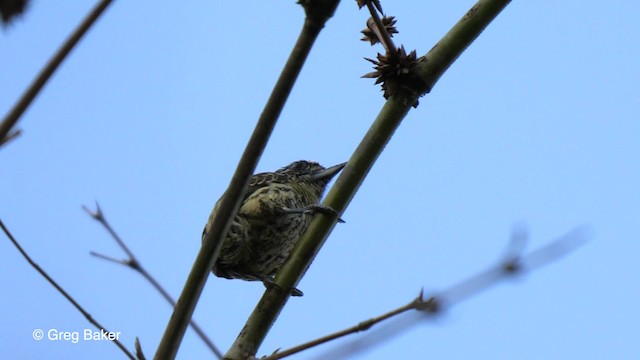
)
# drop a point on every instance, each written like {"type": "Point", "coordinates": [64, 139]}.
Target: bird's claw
{"type": "Point", "coordinates": [268, 283]}
{"type": "Point", "coordinates": [328, 210]}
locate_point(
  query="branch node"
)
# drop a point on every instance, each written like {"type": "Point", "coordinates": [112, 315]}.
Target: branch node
{"type": "Point", "coordinates": [365, 325]}
{"type": "Point", "coordinates": [512, 267]}
{"type": "Point", "coordinates": [433, 305]}
{"type": "Point", "coordinates": [10, 136]}
{"type": "Point", "coordinates": [97, 215]}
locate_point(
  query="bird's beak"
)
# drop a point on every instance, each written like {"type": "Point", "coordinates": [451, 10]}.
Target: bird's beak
{"type": "Point", "coordinates": [327, 173]}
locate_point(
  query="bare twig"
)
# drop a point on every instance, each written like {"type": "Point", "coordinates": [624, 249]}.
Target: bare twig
{"type": "Point", "coordinates": [139, 352]}
{"type": "Point", "coordinates": [381, 30]}
{"type": "Point", "coordinates": [10, 136]}
{"type": "Point", "coordinates": [61, 290]}
{"type": "Point", "coordinates": [512, 264]}
{"type": "Point", "coordinates": [133, 263]}
{"type": "Point", "coordinates": [362, 326]}
{"type": "Point", "coordinates": [38, 83]}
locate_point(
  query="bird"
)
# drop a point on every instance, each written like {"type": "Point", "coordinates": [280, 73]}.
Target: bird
{"type": "Point", "coordinates": [274, 213]}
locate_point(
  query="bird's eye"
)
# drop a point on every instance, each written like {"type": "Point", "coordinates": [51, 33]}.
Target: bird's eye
{"type": "Point", "coordinates": [299, 166]}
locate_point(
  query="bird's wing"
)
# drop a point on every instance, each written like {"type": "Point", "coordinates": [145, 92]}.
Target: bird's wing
{"type": "Point", "coordinates": [256, 182]}
{"type": "Point", "coordinates": [265, 179]}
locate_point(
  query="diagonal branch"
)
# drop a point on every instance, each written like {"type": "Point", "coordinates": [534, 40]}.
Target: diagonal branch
{"type": "Point", "coordinates": [61, 290]}
{"type": "Point", "coordinates": [513, 263]}
{"type": "Point", "coordinates": [318, 12]}
{"type": "Point", "coordinates": [38, 83]}
{"type": "Point", "coordinates": [453, 43]}
{"type": "Point", "coordinates": [362, 326]}
{"type": "Point", "coordinates": [348, 183]}
{"type": "Point", "coordinates": [133, 263]}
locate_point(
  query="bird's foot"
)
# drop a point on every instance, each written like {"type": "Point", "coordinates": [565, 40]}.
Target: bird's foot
{"type": "Point", "coordinates": [315, 208]}
{"type": "Point", "coordinates": [269, 283]}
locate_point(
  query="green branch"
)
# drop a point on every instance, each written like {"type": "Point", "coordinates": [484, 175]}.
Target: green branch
{"type": "Point", "coordinates": [230, 202]}
{"type": "Point", "coordinates": [391, 115]}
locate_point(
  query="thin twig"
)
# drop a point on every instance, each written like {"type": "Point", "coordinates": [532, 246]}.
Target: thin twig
{"type": "Point", "coordinates": [109, 258]}
{"type": "Point", "coordinates": [381, 30]}
{"type": "Point", "coordinates": [510, 265]}
{"type": "Point", "coordinates": [38, 83]}
{"type": "Point", "coordinates": [139, 352]}
{"type": "Point", "coordinates": [362, 326]}
{"type": "Point", "coordinates": [61, 290]}
{"type": "Point", "coordinates": [11, 136]}
{"type": "Point", "coordinates": [133, 263]}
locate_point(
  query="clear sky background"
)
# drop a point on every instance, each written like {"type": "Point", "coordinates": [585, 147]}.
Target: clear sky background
{"type": "Point", "coordinates": [536, 123]}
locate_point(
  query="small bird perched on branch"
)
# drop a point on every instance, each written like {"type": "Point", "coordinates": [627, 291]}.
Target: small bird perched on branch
{"type": "Point", "coordinates": [274, 214]}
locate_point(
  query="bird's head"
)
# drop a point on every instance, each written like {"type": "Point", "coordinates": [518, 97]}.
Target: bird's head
{"type": "Point", "coordinates": [311, 172]}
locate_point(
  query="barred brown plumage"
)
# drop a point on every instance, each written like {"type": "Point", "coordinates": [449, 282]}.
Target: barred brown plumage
{"type": "Point", "coordinates": [274, 214]}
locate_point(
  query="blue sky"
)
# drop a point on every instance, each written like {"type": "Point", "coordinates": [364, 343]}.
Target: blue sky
{"type": "Point", "coordinates": [536, 123]}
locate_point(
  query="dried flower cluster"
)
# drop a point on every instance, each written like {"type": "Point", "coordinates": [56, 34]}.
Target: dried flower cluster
{"type": "Point", "coordinates": [395, 71]}
{"type": "Point", "coordinates": [370, 32]}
